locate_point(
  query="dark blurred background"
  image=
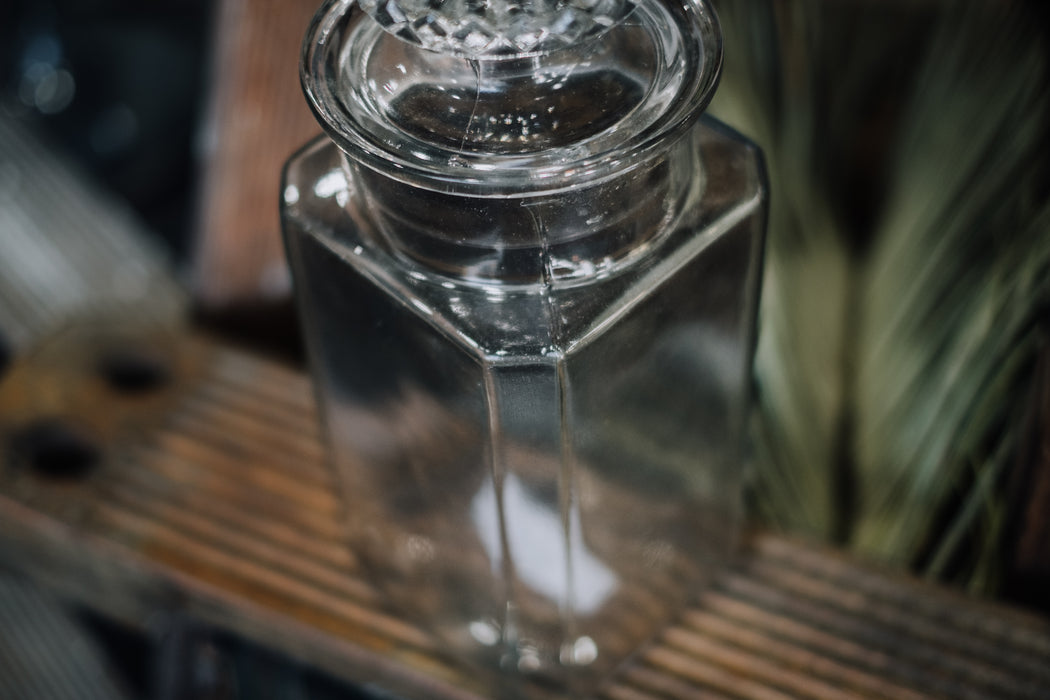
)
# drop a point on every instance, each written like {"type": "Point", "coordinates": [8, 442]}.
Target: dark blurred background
{"type": "Point", "coordinates": [185, 111]}
{"type": "Point", "coordinates": [119, 86]}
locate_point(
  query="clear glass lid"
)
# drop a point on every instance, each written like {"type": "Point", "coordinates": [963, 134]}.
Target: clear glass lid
{"type": "Point", "coordinates": [494, 124]}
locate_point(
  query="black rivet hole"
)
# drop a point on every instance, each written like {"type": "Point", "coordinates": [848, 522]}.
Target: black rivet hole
{"type": "Point", "coordinates": [133, 371]}
{"type": "Point", "coordinates": [53, 447]}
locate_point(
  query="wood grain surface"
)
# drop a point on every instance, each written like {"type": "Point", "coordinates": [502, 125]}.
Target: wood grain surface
{"type": "Point", "coordinates": [257, 118]}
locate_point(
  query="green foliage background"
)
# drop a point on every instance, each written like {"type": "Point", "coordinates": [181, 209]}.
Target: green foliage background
{"type": "Point", "coordinates": [908, 267]}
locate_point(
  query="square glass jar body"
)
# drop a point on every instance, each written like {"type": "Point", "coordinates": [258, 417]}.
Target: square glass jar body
{"type": "Point", "coordinates": [540, 469]}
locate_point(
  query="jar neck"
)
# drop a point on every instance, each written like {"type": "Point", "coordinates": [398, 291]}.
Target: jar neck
{"type": "Point", "coordinates": [560, 237]}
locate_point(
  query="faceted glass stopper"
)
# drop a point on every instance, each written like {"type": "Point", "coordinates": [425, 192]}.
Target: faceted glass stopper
{"type": "Point", "coordinates": [496, 28]}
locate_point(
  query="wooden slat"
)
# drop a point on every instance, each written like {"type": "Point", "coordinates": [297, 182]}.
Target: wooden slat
{"type": "Point", "coordinates": [257, 118]}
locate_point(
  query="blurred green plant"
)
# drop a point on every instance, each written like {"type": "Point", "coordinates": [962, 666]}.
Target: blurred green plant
{"type": "Point", "coordinates": [907, 266]}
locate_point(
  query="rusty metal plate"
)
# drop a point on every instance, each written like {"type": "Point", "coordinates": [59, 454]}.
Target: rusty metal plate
{"type": "Point", "coordinates": [211, 496]}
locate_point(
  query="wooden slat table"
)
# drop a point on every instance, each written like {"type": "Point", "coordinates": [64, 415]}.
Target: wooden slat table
{"type": "Point", "coordinates": [209, 494]}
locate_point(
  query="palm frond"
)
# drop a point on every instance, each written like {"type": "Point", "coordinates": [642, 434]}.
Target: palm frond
{"type": "Point", "coordinates": [767, 93]}
{"type": "Point", "coordinates": [908, 260]}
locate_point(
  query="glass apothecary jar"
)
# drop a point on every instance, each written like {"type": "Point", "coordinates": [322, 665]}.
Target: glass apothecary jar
{"type": "Point", "coordinates": [527, 270]}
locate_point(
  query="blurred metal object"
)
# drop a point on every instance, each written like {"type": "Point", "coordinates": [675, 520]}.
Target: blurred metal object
{"type": "Point", "coordinates": [67, 249]}
{"type": "Point", "coordinates": [65, 403]}
{"type": "Point", "coordinates": [217, 504]}
{"type": "Point", "coordinates": [257, 117]}
{"type": "Point", "coordinates": [1028, 579]}
{"type": "Point", "coordinates": [44, 653]}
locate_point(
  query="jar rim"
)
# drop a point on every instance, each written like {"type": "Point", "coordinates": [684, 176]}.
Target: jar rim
{"type": "Point", "coordinates": [561, 168]}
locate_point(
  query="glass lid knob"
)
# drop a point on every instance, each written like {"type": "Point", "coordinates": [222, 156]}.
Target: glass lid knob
{"type": "Point", "coordinates": [493, 29]}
